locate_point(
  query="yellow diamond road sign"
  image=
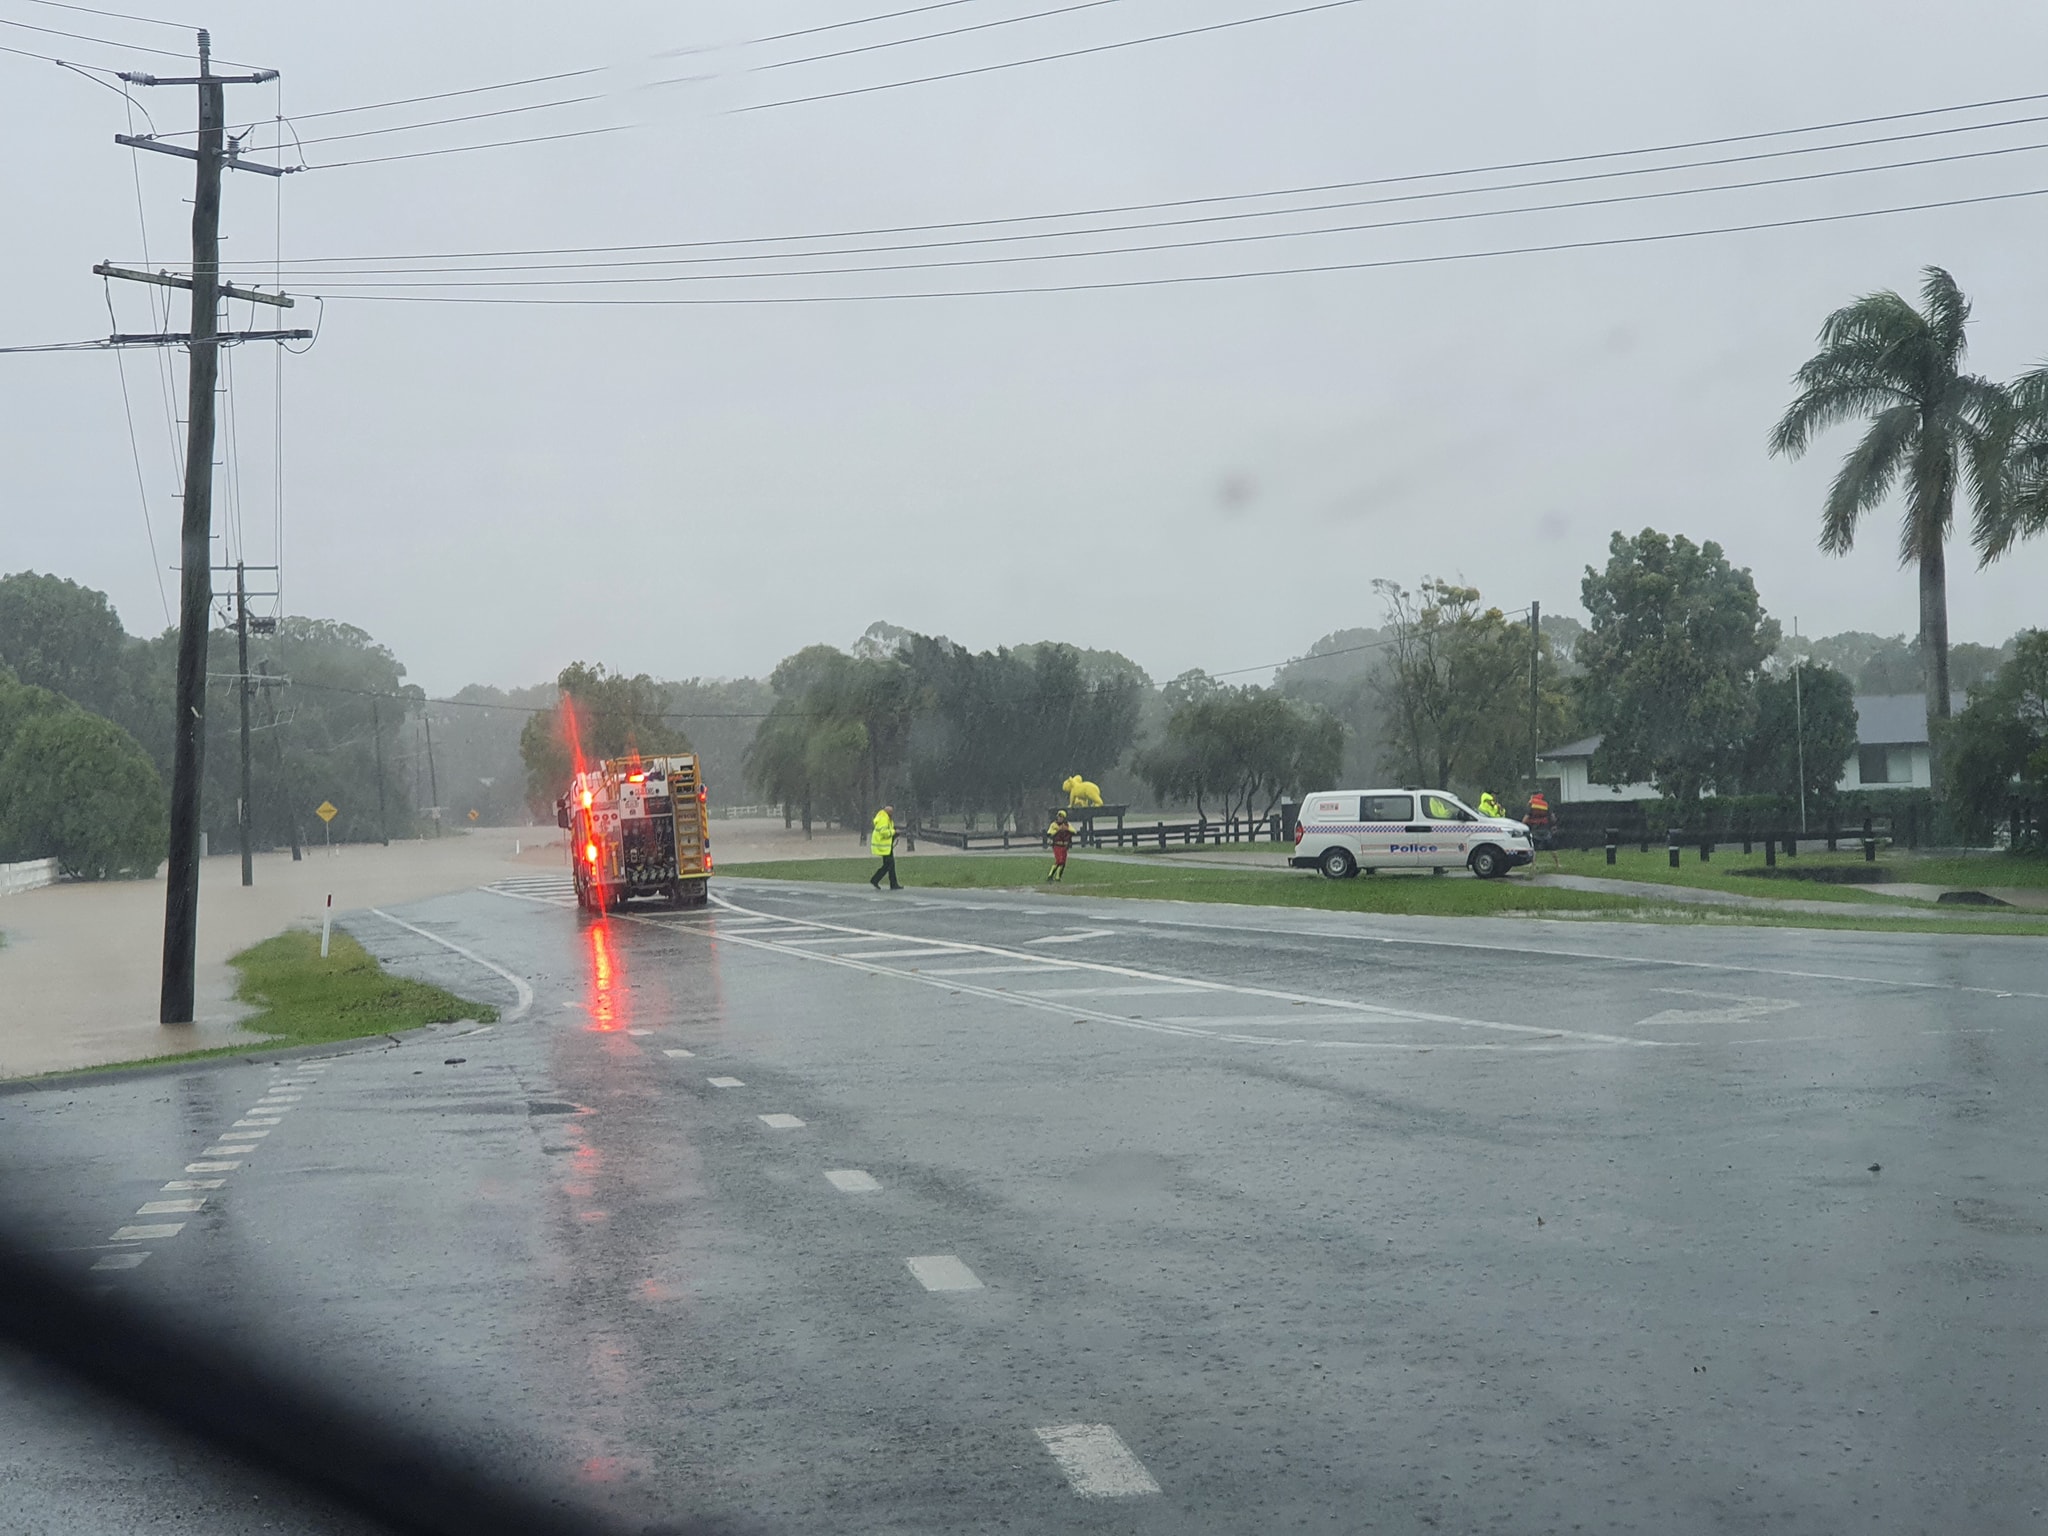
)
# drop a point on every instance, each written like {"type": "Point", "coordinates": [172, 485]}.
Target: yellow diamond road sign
{"type": "Point", "coordinates": [326, 811]}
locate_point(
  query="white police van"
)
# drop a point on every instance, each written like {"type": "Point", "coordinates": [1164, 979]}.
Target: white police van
{"type": "Point", "coordinates": [1341, 831]}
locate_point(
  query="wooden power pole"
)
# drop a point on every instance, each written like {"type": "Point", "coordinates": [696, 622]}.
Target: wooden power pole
{"type": "Point", "coordinates": [211, 154]}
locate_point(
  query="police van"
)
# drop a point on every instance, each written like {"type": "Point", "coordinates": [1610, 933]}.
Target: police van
{"type": "Point", "coordinates": [1341, 831]}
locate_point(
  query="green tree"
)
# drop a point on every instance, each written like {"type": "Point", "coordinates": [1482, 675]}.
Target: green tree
{"type": "Point", "coordinates": [1804, 715]}
{"type": "Point", "coordinates": [1677, 640]}
{"type": "Point", "coordinates": [76, 788]}
{"type": "Point", "coordinates": [599, 715]}
{"type": "Point", "coordinates": [1929, 427]}
{"type": "Point", "coordinates": [2000, 741]}
{"type": "Point", "coordinates": [1343, 673]}
{"type": "Point", "coordinates": [1246, 747]}
{"type": "Point", "coordinates": [1456, 691]}
{"type": "Point", "coordinates": [58, 635]}
{"type": "Point", "coordinates": [2016, 460]}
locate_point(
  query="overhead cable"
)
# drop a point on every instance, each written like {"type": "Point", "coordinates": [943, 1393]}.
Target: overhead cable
{"type": "Point", "coordinates": [1177, 280]}
{"type": "Point", "coordinates": [1191, 202]}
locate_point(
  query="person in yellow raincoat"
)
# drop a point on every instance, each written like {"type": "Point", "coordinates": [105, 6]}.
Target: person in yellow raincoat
{"type": "Point", "coordinates": [882, 844]}
{"type": "Point", "coordinates": [1488, 806]}
{"type": "Point", "coordinates": [1061, 835]}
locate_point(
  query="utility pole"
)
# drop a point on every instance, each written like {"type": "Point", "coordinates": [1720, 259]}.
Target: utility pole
{"type": "Point", "coordinates": [1799, 727]}
{"type": "Point", "coordinates": [283, 791]}
{"type": "Point", "coordinates": [195, 589]}
{"type": "Point", "coordinates": [1535, 658]}
{"type": "Point", "coordinates": [433, 783]}
{"type": "Point", "coordinates": [377, 734]}
{"type": "Point", "coordinates": [243, 811]}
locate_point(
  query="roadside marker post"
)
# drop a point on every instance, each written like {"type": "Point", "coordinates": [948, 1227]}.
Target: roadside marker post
{"type": "Point", "coordinates": [326, 924]}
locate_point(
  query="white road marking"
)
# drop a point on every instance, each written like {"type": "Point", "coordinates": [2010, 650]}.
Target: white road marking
{"type": "Point", "coordinates": [725, 1082]}
{"type": "Point", "coordinates": [781, 1122]}
{"type": "Point", "coordinates": [854, 1181]}
{"type": "Point", "coordinates": [679, 1054]}
{"type": "Point", "coordinates": [129, 1260]}
{"type": "Point", "coordinates": [149, 1232]}
{"type": "Point", "coordinates": [1041, 967]}
{"type": "Point", "coordinates": [1733, 1010]}
{"type": "Point", "coordinates": [195, 1184]}
{"type": "Point", "coordinates": [933, 952]}
{"type": "Point", "coordinates": [943, 1272]}
{"type": "Point", "coordinates": [261, 1120]}
{"type": "Point", "coordinates": [1096, 1461]}
{"type": "Point", "coordinates": [172, 1207]}
{"type": "Point", "coordinates": [213, 1167]}
{"type": "Point", "coordinates": [639, 1033]}
{"type": "Point", "coordinates": [1163, 990]}
{"type": "Point", "coordinates": [1076, 938]}
{"type": "Point", "coordinates": [234, 1135]}
{"type": "Point", "coordinates": [519, 986]}
{"type": "Point", "coordinates": [1083, 1013]}
{"type": "Point", "coordinates": [225, 1150]}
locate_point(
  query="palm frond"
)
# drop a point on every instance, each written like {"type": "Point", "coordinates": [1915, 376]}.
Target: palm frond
{"type": "Point", "coordinates": [1947, 314]}
{"type": "Point", "coordinates": [1823, 405]}
{"type": "Point", "coordinates": [1866, 476]}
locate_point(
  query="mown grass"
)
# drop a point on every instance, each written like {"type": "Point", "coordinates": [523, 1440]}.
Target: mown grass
{"type": "Point", "coordinates": [305, 1000]}
{"type": "Point", "coordinates": [1413, 895]}
{"type": "Point", "coordinates": [1722, 872]}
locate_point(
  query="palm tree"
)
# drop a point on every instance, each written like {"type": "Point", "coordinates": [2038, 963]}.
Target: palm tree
{"type": "Point", "coordinates": [1929, 424]}
{"type": "Point", "coordinates": [2015, 456]}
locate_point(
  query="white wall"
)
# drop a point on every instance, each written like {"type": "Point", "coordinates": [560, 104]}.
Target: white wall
{"type": "Point", "coordinates": [1907, 767]}
{"type": "Point", "coordinates": [30, 876]}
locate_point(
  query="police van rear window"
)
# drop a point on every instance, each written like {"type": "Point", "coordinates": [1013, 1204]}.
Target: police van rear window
{"type": "Point", "coordinates": [1386, 808]}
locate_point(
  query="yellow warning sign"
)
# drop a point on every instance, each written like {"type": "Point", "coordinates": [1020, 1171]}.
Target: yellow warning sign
{"type": "Point", "coordinates": [326, 810]}
{"type": "Point", "coordinates": [472, 815]}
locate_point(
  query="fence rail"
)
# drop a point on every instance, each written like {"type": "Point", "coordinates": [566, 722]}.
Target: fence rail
{"type": "Point", "coordinates": [1165, 834]}
{"type": "Point", "coordinates": [31, 875]}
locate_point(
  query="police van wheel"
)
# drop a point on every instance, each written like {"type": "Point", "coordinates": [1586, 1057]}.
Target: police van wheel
{"type": "Point", "coordinates": [1337, 864]}
{"type": "Point", "coordinates": [1487, 863]}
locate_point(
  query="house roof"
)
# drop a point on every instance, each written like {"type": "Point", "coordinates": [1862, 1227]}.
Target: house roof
{"type": "Point", "coordinates": [1882, 720]}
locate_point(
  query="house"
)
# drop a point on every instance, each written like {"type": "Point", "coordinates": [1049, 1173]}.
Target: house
{"type": "Point", "coordinates": [1891, 753]}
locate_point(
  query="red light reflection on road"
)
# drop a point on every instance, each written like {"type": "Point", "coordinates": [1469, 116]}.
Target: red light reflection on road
{"type": "Point", "coordinates": [609, 1006]}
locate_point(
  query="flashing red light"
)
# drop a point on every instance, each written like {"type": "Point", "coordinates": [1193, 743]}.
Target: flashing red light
{"type": "Point", "coordinates": [707, 863]}
{"type": "Point", "coordinates": [590, 853]}
{"type": "Point", "coordinates": [701, 797]}
{"type": "Point", "coordinates": [635, 778]}
{"type": "Point", "coordinates": [586, 799]}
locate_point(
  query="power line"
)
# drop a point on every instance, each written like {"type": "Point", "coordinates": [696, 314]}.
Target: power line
{"type": "Point", "coordinates": [474, 90]}
{"type": "Point", "coordinates": [156, 567]}
{"type": "Point", "coordinates": [109, 42]}
{"type": "Point", "coordinates": [358, 277]}
{"type": "Point", "coordinates": [442, 122]}
{"type": "Point", "coordinates": [1047, 58]}
{"type": "Point", "coordinates": [1278, 192]}
{"type": "Point", "coordinates": [1158, 247]}
{"type": "Point", "coordinates": [464, 149]}
{"type": "Point", "coordinates": [858, 21]}
{"type": "Point", "coordinates": [926, 37]}
{"type": "Point", "coordinates": [153, 21]}
{"type": "Point", "coordinates": [1216, 277]}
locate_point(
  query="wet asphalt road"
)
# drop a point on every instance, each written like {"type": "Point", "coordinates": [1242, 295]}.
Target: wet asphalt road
{"type": "Point", "coordinates": [1260, 1221]}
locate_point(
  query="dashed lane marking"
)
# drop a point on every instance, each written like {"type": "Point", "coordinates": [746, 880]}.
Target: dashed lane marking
{"type": "Point", "coordinates": [260, 1120]}
{"type": "Point", "coordinates": [1165, 989]}
{"type": "Point", "coordinates": [943, 1272]}
{"type": "Point", "coordinates": [1076, 938]}
{"type": "Point", "coordinates": [519, 986]}
{"type": "Point", "coordinates": [933, 952]}
{"type": "Point", "coordinates": [234, 1135]}
{"type": "Point", "coordinates": [725, 1082]}
{"type": "Point", "coordinates": [1039, 967]}
{"type": "Point", "coordinates": [1096, 1461]}
{"type": "Point", "coordinates": [131, 1260]}
{"type": "Point", "coordinates": [853, 1181]}
{"type": "Point", "coordinates": [236, 1149]}
{"type": "Point", "coordinates": [214, 1166]}
{"type": "Point", "coordinates": [678, 1053]}
{"type": "Point", "coordinates": [176, 1184]}
{"type": "Point", "coordinates": [780, 1122]}
{"type": "Point", "coordinates": [172, 1207]}
{"type": "Point", "coordinates": [148, 1232]}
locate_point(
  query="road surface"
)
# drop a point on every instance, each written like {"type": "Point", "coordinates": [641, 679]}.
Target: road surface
{"type": "Point", "coordinates": [833, 1210]}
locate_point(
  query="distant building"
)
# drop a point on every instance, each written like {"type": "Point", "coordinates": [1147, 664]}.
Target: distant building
{"type": "Point", "coordinates": [1891, 753]}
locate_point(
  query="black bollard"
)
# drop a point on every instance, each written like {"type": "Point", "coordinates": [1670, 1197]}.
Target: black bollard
{"type": "Point", "coordinates": [1706, 849]}
{"type": "Point", "coordinates": [1672, 836]}
{"type": "Point", "coordinates": [1611, 835]}
{"type": "Point", "coordinates": [1771, 850]}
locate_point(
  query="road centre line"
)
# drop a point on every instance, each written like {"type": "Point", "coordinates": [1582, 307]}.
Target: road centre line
{"type": "Point", "coordinates": [1076, 938]}
{"type": "Point", "coordinates": [894, 954]}
{"type": "Point", "coordinates": [519, 987]}
{"type": "Point", "coordinates": [175, 1184]}
{"type": "Point", "coordinates": [1040, 966]}
{"type": "Point", "coordinates": [725, 1082]}
{"type": "Point", "coordinates": [1097, 1463]}
{"type": "Point", "coordinates": [172, 1207]}
{"type": "Point", "coordinates": [781, 1122]}
{"type": "Point", "coordinates": [853, 1181]}
{"type": "Point", "coordinates": [677, 1053]}
{"type": "Point", "coordinates": [212, 1167]}
{"type": "Point", "coordinates": [1400, 1015]}
{"type": "Point", "coordinates": [148, 1232]}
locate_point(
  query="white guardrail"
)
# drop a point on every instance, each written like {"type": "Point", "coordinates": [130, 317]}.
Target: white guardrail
{"type": "Point", "coordinates": [32, 875]}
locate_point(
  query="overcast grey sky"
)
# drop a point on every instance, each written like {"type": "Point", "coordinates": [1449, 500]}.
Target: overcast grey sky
{"type": "Point", "coordinates": [1200, 474]}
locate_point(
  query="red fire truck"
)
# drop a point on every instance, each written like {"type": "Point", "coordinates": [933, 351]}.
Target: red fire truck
{"type": "Point", "coordinates": [638, 826]}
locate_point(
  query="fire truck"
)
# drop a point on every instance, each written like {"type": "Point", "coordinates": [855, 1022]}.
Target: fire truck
{"type": "Point", "coordinates": [638, 826]}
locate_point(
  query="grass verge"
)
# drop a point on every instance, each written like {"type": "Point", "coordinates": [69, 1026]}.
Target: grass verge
{"type": "Point", "coordinates": [1410, 895]}
{"type": "Point", "coordinates": [305, 1000]}
{"type": "Point", "coordinates": [1723, 872]}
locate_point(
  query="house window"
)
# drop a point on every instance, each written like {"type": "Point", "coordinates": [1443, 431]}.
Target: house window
{"type": "Point", "coordinates": [1873, 765]}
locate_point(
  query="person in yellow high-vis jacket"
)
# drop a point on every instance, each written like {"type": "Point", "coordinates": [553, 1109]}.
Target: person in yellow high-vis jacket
{"type": "Point", "coordinates": [882, 844]}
